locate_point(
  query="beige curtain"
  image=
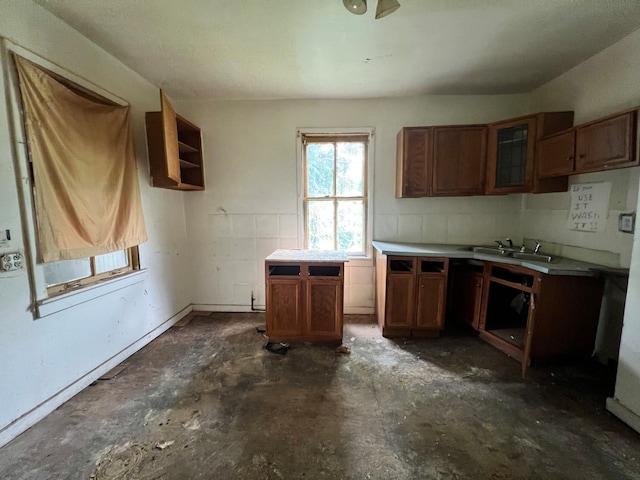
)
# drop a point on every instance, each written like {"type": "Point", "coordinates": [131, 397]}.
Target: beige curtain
{"type": "Point", "coordinates": [87, 192]}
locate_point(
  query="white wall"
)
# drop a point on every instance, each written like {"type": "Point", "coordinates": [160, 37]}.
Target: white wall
{"type": "Point", "coordinates": [250, 205]}
{"type": "Point", "coordinates": [605, 84]}
{"type": "Point", "coordinates": [46, 360]}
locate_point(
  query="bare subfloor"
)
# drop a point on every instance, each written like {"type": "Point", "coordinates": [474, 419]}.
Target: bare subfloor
{"type": "Point", "coordinates": [207, 401]}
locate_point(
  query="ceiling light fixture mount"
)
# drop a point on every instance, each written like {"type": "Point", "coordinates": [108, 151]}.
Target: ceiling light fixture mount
{"type": "Point", "coordinates": [357, 7]}
{"type": "Point", "coordinates": [384, 8]}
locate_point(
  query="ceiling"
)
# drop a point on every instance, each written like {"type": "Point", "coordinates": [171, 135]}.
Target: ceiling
{"type": "Point", "coordinates": [277, 49]}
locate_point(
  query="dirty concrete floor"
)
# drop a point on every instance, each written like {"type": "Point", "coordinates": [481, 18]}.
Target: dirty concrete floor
{"type": "Point", "coordinates": [207, 401]}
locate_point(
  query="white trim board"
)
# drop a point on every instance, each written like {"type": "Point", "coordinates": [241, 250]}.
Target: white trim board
{"type": "Point", "coordinates": [623, 413]}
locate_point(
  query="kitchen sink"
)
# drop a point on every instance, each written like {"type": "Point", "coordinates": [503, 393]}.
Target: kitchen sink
{"type": "Point", "coordinates": [511, 253]}
{"type": "Point", "coordinates": [535, 257]}
{"type": "Point", "coordinates": [491, 251]}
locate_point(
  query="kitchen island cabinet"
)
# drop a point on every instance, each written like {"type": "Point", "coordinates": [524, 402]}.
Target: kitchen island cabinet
{"type": "Point", "coordinates": [305, 295]}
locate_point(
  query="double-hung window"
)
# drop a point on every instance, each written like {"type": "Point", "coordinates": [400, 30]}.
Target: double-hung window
{"type": "Point", "coordinates": [86, 199]}
{"type": "Point", "coordinates": [336, 185]}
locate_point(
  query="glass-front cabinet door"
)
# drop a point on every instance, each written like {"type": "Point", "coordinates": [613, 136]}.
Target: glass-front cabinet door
{"type": "Point", "coordinates": [511, 154]}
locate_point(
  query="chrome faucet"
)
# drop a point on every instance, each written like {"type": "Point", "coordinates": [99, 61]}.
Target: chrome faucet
{"type": "Point", "coordinates": [509, 242]}
{"type": "Point", "coordinates": [537, 249]}
{"type": "Point", "coordinates": [500, 245]}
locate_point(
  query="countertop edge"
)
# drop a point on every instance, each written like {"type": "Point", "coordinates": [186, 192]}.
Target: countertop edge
{"type": "Point", "coordinates": [562, 267]}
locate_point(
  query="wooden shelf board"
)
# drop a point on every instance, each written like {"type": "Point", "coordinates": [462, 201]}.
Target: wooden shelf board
{"type": "Point", "coordinates": [187, 164]}
{"type": "Point", "coordinates": [184, 148]}
{"type": "Point", "coordinates": [515, 336]}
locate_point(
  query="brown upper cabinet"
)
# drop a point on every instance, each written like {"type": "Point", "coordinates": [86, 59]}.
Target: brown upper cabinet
{"type": "Point", "coordinates": [459, 159]}
{"type": "Point", "coordinates": [512, 153]}
{"type": "Point", "coordinates": [603, 144]}
{"type": "Point", "coordinates": [413, 173]}
{"type": "Point", "coordinates": [175, 149]}
{"type": "Point", "coordinates": [441, 161]}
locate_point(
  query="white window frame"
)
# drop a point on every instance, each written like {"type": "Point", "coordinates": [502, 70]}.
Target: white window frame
{"type": "Point", "coordinates": [369, 131]}
{"type": "Point", "coordinates": [43, 303]}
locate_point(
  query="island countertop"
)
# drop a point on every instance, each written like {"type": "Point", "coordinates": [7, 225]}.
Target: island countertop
{"type": "Point", "coordinates": [307, 256]}
{"type": "Point", "coordinates": [558, 265]}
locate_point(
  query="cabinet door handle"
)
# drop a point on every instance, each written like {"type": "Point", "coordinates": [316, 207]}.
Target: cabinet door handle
{"type": "Point", "coordinates": [582, 155]}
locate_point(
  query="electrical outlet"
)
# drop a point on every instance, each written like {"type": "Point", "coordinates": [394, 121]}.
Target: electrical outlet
{"type": "Point", "coordinates": [626, 222]}
{"type": "Point", "coordinates": [11, 261]}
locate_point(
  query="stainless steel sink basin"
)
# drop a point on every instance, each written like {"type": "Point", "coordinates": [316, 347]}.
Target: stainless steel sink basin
{"type": "Point", "coordinates": [534, 257]}
{"type": "Point", "coordinates": [491, 251]}
{"type": "Point", "coordinates": [512, 253]}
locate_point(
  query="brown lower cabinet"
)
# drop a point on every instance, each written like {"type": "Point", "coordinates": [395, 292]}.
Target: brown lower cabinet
{"type": "Point", "coordinates": [410, 295]}
{"type": "Point", "coordinates": [529, 315]}
{"type": "Point", "coordinates": [304, 301]}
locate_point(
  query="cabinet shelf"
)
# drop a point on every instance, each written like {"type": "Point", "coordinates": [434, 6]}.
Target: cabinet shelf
{"type": "Point", "coordinates": [184, 148]}
{"type": "Point", "coordinates": [515, 336]}
{"type": "Point", "coordinates": [186, 164]}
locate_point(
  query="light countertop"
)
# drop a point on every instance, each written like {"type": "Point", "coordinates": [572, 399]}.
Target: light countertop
{"type": "Point", "coordinates": [308, 256]}
{"type": "Point", "coordinates": [557, 266]}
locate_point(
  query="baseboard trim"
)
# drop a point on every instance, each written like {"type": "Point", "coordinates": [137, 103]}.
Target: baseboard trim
{"type": "Point", "coordinates": [623, 413]}
{"type": "Point", "coordinates": [33, 416]}
{"type": "Point", "coordinates": [209, 307]}
{"type": "Point", "coordinates": [358, 310]}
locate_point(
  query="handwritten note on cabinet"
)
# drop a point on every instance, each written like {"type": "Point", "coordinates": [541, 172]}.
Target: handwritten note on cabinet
{"type": "Point", "coordinates": [589, 206]}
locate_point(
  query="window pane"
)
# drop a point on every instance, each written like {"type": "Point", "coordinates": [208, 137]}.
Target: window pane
{"type": "Point", "coordinates": [320, 169]}
{"type": "Point", "coordinates": [111, 261]}
{"type": "Point", "coordinates": [350, 169]}
{"type": "Point", "coordinates": [351, 226]}
{"type": "Point", "coordinates": [64, 271]}
{"type": "Point", "coordinates": [320, 225]}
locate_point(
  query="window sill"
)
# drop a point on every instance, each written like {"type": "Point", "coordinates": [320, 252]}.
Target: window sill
{"type": "Point", "coordinates": [49, 306]}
